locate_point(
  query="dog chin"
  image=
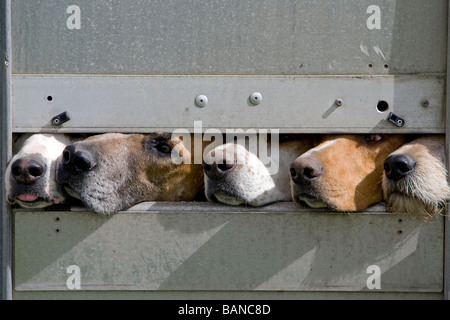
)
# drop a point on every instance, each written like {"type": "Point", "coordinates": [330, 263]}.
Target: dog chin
{"type": "Point", "coordinates": [71, 192]}
{"type": "Point", "coordinates": [37, 204]}
{"type": "Point", "coordinates": [101, 206]}
{"type": "Point", "coordinates": [225, 197]}
{"type": "Point", "coordinates": [401, 203]}
{"type": "Point", "coordinates": [311, 202]}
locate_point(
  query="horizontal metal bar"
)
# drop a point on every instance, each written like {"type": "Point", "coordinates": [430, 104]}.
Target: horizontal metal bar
{"type": "Point", "coordinates": [290, 103]}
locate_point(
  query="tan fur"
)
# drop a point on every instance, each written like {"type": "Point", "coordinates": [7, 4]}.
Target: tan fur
{"type": "Point", "coordinates": [424, 191]}
{"type": "Point", "coordinates": [128, 169]}
{"type": "Point", "coordinates": [352, 168]}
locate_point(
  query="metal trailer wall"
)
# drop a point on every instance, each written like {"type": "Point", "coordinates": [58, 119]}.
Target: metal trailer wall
{"type": "Point", "coordinates": [2, 134]}
{"type": "Point", "coordinates": [145, 64]}
{"type": "Point", "coordinates": [156, 58]}
{"type": "Point", "coordinates": [447, 133]}
{"type": "Point", "coordinates": [5, 138]}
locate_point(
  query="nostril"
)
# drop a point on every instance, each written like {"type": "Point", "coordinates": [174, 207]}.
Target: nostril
{"type": "Point", "coordinates": [308, 173]}
{"type": "Point", "coordinates": [66, 156]}
{"type": "Point", "coordinates": [218, 171]}
{"type": "Point", "coordinates": [311, 172]}
{"type": "Point", "coordinates": [16, 169]}
{"type": "Point", "coordinates": [293, 172]}
{"type": "Point", "coordinates": [77, 161]}
{"type": "Point", "coordinates": [68, 153]}
{"type": "Point", "coordinates": [404, 166]}
{"type": "Point", "coordinates": [81, 162]}
{"type": "Point", "coordinates": [35, 169]}
{"type": "Point", "coordinates": [224, 167]}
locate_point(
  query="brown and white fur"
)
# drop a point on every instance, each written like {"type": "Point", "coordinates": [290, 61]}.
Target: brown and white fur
{"type": "Point", "coordinates": [343, 173]}
{"type": "Point", "coordinates": [30, 174]}
{"type": "Point", "coordinates": [415, 178]}
{"type": "Point", "coordinates": [239, 177]}
{"type": "Point", "coordinates": [113, 171]}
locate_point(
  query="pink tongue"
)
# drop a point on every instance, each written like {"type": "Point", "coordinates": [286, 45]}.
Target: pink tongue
{"type": "Point", "coordinates": [27, 197]}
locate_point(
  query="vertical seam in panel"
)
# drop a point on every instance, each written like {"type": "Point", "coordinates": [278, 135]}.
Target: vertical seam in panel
{"type": "Point", "coordinates": [447, 136]}
{"type": "Point", "coordinates": [5, 136]}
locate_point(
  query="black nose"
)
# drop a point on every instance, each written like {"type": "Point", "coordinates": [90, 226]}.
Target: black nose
{"type": "Point", "coordinates": [398, 166]}
{"type": "Point", "coordinates": [305, 169]}
{"type": "Point", "coordinates": [219, 170]}
{"type": "Point", "coordinates": [77, 161]}
{"type": "Point", "coordinates": [26, 170]}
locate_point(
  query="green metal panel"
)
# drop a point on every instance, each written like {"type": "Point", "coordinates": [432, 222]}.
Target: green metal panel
{"type": "Point", "coordinates": [203, 250]}
{"type": "Point", "coordinates": [202, 246]}
{"type": "Point", "coordinates": [230, 37]}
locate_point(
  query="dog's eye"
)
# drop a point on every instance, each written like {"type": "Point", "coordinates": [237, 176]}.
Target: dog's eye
{"type": "Point", "coordinates": [164, 148]}
{"type": "Point", "coordinates": [372, 138]}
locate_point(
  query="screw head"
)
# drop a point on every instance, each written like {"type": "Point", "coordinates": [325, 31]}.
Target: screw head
{"type": "Point", "coordinates": [339, 102]}
{"type": "Point", "coordinates": [201, 101]}
{"type": "Point", "coordinates": [255, 98]}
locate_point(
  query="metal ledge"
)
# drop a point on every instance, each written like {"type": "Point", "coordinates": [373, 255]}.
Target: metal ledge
{"type": "Point", "coordinates": [292, 104]}
{"type": "Point", "coordinates": [203, 246]}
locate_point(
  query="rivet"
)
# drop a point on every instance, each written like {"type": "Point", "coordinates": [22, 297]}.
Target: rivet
{"type": "Point", "coordinates": [425, 103]}
{"type": "Point", "coordinates": [255, 98]}
{"type": "Point", "coordinates": [339, 102]}
{"type": "Point", "coordinates": [201, 101]}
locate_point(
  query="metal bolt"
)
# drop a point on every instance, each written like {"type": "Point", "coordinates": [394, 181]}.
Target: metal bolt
{"type": "Point", "coordinates": [201, 101]}
{"type": "Point", "coordinates": [425, 103]}
{"type": "Point", "coordinates": [396, 120]}
{"type": "Point", "coordinates": [6, 62]}
{"type": "Point", "coordinates": [60, 119]}
{"type": "Point", "coordinates": [339, 102]}
{"type": "Point", "coordinates": [255, 98]}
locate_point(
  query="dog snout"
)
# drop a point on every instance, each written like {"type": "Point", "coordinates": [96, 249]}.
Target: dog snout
{"type": "Point", "coordinates": [77, 161]}
{"type": "Point", "coordinates": [220, 169]}
{"type": "Point", "coordinates": [27, 170]}
{"type": "Point", "coordinates": [305, 169]}
{"type": "Point", "coordinates": [398, 166]}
